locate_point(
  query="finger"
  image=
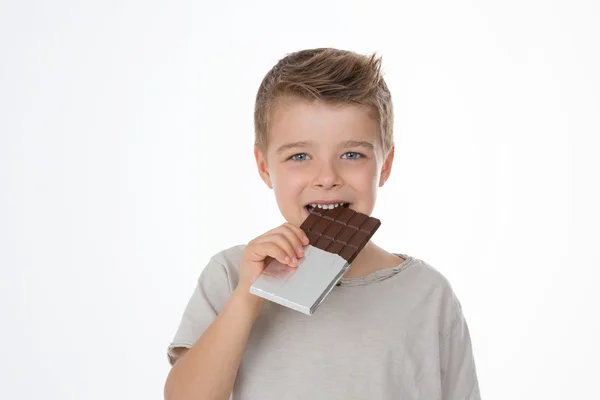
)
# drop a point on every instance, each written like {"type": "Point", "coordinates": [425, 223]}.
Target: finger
{"type": "Point", "coordinates": [296, 237]}
{"type": "Point", "coordinates": [301, 234]}
{"type": "Point", "coordinates": [284, 243]}
{"type": "Point", "coordinates": [298, 232]}
{"type": "Point", "coordinates": [264, 250]}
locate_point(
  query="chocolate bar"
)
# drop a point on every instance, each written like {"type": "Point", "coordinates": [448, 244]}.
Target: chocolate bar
{"type": "Point", "coordinates": [336, 237]}
{"type": "Point", "coordinates": [340, 231]}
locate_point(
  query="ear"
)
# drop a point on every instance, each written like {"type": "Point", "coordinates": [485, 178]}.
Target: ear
{"type": "Point", "coordinates": [386, 169]}
{"type": "Point", "coordinates": [261, 164]}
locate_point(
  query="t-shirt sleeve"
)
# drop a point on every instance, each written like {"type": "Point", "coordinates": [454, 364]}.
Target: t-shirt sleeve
{"type": "Point", "coordinates": [458, 372]}
{"type": "Point", "coordinates": [212, 291]}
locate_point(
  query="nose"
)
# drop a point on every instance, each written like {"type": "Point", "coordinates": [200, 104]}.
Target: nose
{"type": "Point", "coordinates": [327, 176]}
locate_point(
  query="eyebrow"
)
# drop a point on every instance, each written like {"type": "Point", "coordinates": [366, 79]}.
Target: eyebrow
{"type": "Point", "coordinates": [358, 143]}
{"type": "Point", "coordinates": [292, 145]}
{"type": "Point", "coordinates": [346, 144]}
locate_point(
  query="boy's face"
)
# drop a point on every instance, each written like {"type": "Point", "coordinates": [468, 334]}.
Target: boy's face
{"type": "Point", "coordinates": [323, 153]}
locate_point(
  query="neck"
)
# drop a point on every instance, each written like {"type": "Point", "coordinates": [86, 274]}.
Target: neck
{"type": "Point", "coordinates": [364, 258]}
{"type": "Point", "coordinates": [371, 259]}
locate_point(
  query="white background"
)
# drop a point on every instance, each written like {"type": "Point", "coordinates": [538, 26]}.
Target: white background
{"type": "Point", "coordinates": [126, 139]}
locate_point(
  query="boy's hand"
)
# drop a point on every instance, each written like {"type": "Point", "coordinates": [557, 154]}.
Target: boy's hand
{"type": "Point", "coordinates": [284, 243]}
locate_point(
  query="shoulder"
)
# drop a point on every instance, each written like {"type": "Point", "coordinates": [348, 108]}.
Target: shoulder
{"type": "Point", "coordinates": [224, 266]}
{"type": "Point", "coordinates": [222, 269]}
{"type": "Point", "coordinates": [429, 282]}
{"type": "Point", "coordinates": [425, 275]}
{"type": "Point", "coordinates": [229, 257]}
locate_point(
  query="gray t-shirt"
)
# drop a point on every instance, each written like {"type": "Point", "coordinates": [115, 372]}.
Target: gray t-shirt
{"type": "Point", "coordinates": [398, 333]}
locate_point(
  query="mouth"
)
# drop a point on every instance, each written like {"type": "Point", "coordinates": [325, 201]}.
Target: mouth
{"type": "Point", "coordinates": [331, 206]}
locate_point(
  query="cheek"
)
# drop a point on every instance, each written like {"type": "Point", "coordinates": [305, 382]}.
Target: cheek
{"type": "Point", "coordinates": [288, 181]}
{"type": "Point", "coordinates": [364, 177]}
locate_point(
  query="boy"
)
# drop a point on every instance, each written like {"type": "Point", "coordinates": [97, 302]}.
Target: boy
{"type": "Point", "coordinates": [393, 329]}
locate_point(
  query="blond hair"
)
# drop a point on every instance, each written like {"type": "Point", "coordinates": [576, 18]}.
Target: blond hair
{"type": "Point", "coordinates": [330, 75]}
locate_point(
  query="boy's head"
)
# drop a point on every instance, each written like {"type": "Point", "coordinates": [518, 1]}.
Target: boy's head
{"type": "Point", "coordinates": [324, 131]}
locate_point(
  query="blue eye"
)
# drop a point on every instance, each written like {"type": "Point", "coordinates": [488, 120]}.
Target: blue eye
{"type": "Point", "coordinates": [353, 155]}
{"type": "Point", "coordinates": [299, 157]}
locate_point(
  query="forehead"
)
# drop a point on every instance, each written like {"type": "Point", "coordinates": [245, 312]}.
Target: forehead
{"type": "Point", "coordinates": [294, 119]}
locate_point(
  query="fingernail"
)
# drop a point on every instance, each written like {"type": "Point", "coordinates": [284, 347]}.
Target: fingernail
{"type": "Point", "coordinates": [287, 259]}
{"type": "Point", "coordinates": [294, 260]}
{"type": "Point", "coordinates": [300, 251]}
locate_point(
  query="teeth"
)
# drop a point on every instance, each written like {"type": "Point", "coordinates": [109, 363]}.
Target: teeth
{"type": "Point", "coordinates": [326, 206]}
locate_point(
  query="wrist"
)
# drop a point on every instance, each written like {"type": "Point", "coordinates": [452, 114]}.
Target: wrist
{"type": "Point", "coordinates": [246, 299]}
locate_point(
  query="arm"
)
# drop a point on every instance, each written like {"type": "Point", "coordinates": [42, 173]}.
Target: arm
{"type": "Point", "coordinates": [209, 368]}
{"type": "Point", "coordinates": [217, 339]}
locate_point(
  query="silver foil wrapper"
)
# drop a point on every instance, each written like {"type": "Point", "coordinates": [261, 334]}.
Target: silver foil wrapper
{"type": "Point", "coordinates": [304, 287]}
